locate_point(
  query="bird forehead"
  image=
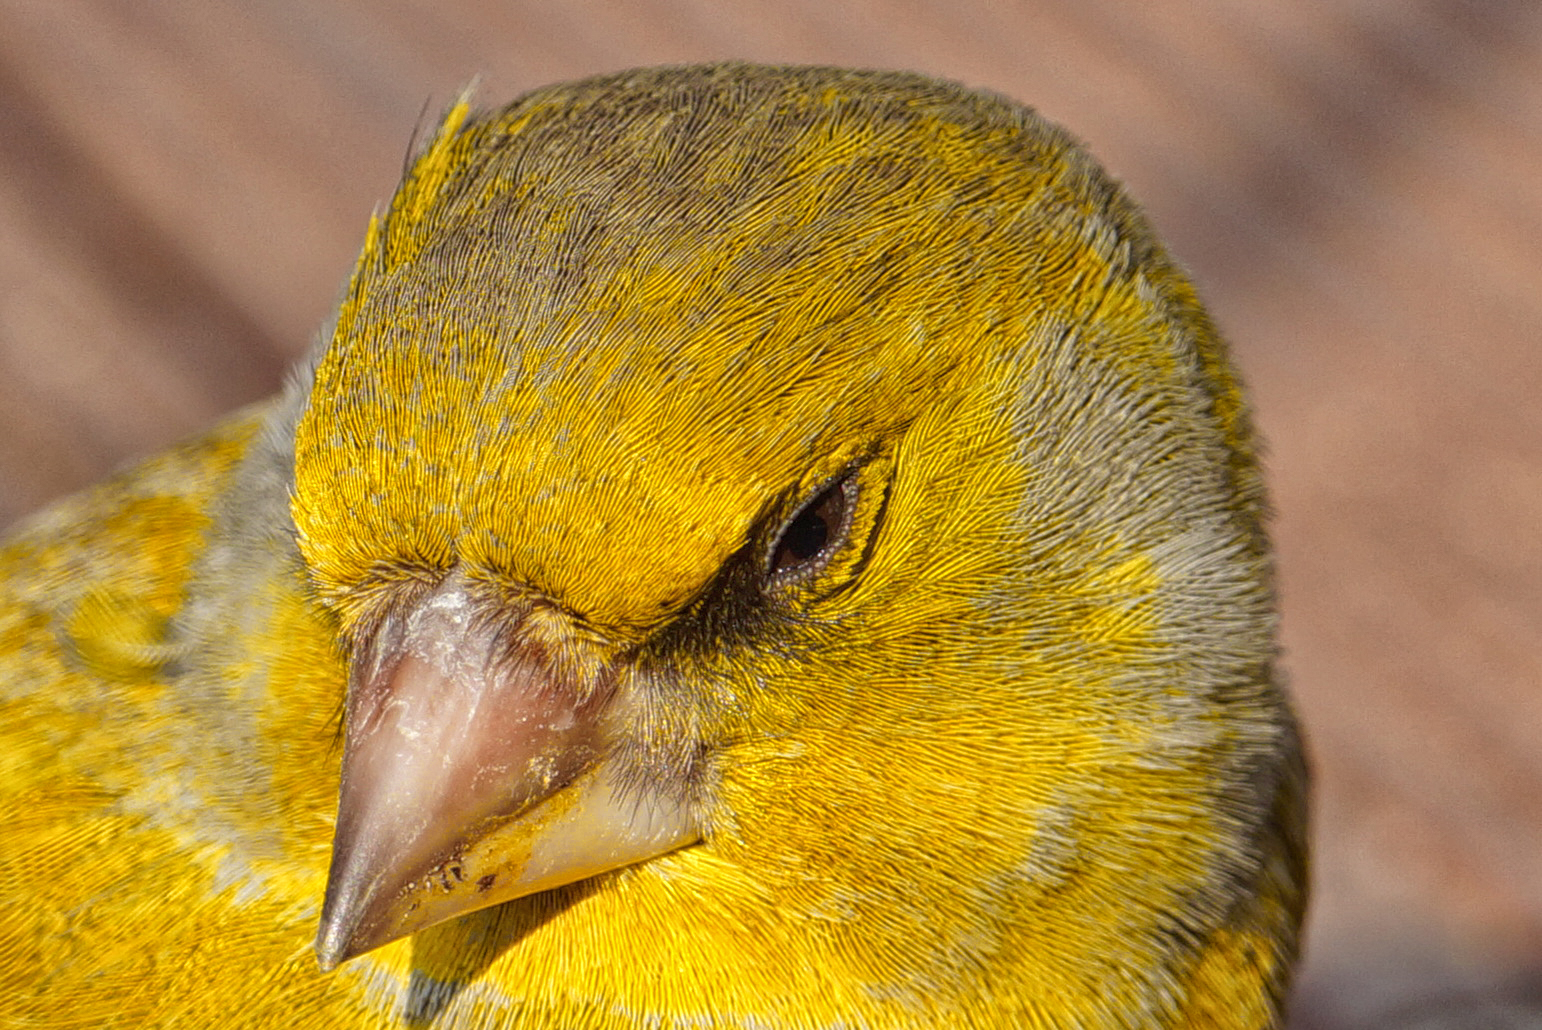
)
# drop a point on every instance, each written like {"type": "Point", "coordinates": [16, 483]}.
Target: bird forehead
{"type": "Point", "coordinates": [614, 466]}
{"type": "Point", "coordinates": [598, 333]}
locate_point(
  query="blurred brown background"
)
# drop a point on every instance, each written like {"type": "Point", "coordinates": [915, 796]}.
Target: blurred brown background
{"type": "Point", "coordinates": [1355, 184]}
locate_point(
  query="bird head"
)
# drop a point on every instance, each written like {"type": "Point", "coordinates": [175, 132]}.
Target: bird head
{"type": "Point", "coordinates": [816, 490]}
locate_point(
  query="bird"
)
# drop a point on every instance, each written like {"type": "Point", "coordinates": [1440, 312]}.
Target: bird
{"type": "Point", "coordinates": [755, 546]}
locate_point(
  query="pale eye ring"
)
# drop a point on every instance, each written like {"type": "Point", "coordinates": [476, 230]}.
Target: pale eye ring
{"type": "Point", "coordinates": [814, 533]}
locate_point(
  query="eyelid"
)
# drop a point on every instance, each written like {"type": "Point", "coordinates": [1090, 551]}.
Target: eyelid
{"type": "Point", "coordinates": [847, 482]}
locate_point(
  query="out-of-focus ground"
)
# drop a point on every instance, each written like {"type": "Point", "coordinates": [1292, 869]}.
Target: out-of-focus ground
{"type": "Point", "coordinates": [1356, 184]}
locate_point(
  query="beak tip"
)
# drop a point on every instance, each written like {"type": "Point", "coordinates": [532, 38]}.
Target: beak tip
{"type": "Point", "coordinates": [332, 948]}
{"type": "Point", "coordinates": [338, 937]}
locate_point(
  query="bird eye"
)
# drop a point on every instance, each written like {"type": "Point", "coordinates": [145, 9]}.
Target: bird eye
{"type": "Point", "coordinates": [815, 532]}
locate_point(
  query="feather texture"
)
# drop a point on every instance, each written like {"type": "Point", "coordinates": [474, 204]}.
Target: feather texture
{"type": "Point", "coordinates": [998, 742]}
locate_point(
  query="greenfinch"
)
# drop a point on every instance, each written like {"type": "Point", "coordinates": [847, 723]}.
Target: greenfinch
{"type": "Point", "coordinates": [756, 547]}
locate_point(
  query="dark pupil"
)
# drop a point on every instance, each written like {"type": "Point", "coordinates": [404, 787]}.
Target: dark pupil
{"type": "Point", "coordinates": [809, 533]}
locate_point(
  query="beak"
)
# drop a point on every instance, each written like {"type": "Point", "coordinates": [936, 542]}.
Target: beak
{"type": "Point", "coordinates": [474, 772]}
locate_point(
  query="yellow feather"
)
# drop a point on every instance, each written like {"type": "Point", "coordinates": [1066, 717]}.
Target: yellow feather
{"type": "Point", "coordinates": [1011, 752]}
